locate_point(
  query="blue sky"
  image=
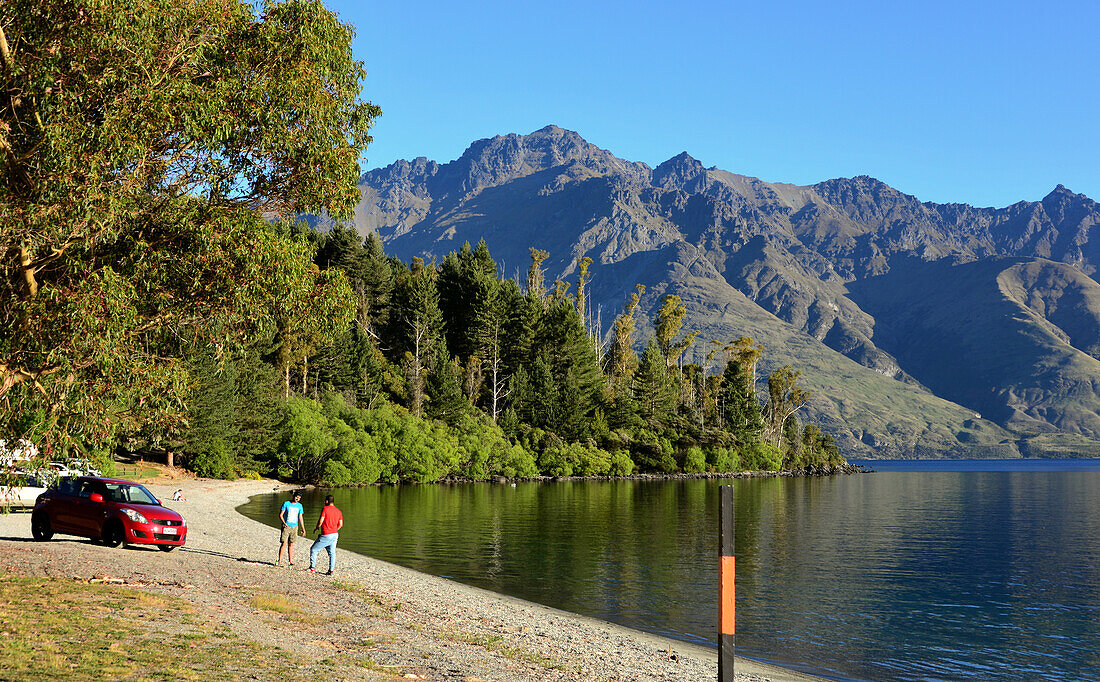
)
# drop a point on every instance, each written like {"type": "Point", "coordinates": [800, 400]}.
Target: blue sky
{"type": "Point", "coordinates": [985, 103]}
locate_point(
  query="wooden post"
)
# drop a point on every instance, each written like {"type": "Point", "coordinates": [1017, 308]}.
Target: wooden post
{"type": "Point", "coordinates": [725, 579]}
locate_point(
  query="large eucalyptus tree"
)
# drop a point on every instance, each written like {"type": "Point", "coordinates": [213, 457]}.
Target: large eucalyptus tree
{"type": "Point", "coordinates": [145, 148]}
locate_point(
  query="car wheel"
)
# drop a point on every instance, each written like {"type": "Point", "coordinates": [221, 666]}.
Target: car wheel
{"type": "Point", "coordinates": [166, 548]}
{"type": "Point", "coordinates": [40, 527]}
{"type": "Point", "coordinates": [113, 534]}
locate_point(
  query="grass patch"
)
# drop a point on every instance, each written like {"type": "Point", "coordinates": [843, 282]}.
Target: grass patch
{"type": "Point", "coordinates": [135, 472]}
{"type": "Point", "coordinates": [497, 643]}
{"type": "Point", "coordinates": [279, 603]}
{"type": "Point", "coordinates": [58, 629]}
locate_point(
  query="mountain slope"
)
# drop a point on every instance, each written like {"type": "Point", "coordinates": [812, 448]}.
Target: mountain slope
{"type": "Point", "coordinates": [835, 278]}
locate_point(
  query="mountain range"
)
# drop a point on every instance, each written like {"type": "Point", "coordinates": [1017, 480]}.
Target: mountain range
{"type": "Point", "coordinates": [921, 329]}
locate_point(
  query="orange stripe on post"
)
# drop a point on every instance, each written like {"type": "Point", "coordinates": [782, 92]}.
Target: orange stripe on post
{"type": "Point", "coordinates": [726, 600]}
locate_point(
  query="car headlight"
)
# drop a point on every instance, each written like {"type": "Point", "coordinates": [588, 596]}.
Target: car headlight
{"type": "Point", "coordinates": [135, 516]}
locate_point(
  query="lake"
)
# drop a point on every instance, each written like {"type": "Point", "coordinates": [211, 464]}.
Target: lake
{"type": "Point", "coordinates": [943, 570]}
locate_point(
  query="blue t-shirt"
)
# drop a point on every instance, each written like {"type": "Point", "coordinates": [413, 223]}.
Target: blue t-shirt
{"type": "Point", "coordinates": [293, 512]}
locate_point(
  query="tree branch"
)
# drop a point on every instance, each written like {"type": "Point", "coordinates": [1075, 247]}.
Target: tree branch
{"type": "Point", "coordinates": [5, 53]}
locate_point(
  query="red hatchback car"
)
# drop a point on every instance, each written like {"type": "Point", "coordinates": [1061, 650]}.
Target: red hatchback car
{"type": "Point", "coordinates": [115, 511]}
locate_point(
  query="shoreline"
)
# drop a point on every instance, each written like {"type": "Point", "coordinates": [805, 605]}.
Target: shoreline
{"type": "Point", "coordinates": [429, 611]}
{"type": "Point", "coordinates": [845, 470]}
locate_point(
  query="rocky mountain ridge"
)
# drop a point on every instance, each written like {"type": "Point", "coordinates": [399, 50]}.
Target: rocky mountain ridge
{"type": "Point", "coordinates": [921, 328]}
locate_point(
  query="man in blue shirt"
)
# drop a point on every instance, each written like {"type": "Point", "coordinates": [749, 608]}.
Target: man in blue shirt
{"type": "Point", "coordinates": [291, 515]}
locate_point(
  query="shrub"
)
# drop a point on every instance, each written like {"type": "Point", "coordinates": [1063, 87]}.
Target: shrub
{"type": "Point", "coordinates": [555, 461]}
{"type": "Point", "coordinates": [214, 459]}
{"type": "Point", "coordinates": [695, 461]}
{"type": "Point", "coordinates": [723, 459]}
{"type": "Point", "coordinates": [621, 464]}
{"type": "Point", "coordinates": [760, 456]}
{"type": "Point", "coordinates": [590, 460]}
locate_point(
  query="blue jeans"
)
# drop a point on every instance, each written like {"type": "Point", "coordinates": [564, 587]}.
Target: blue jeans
{"type": "Point", "coordinates": [324, 542]}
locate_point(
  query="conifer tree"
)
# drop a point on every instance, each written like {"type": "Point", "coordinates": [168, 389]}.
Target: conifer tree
{"type": "Point", "coordinates": [653, 388]}
{"type": "Point", "coordinates": [482, 262]}
{"type": "Point", "coordinates": [421, 324]}
{"type": "Point", "coordinates": [446, 400]}
{"type": "Point", "coordinates": [522, 315]}
{"type": "Point", "coordinates": [562, 337]}
{"type": "Point", "coordinates": [340, 247]}
{"type": "Point", "coordinates": [737, 404]}
{"type": "Point", "coordinates": [456, 292]}
{"type": "Point", "coordinates": [375, 284]}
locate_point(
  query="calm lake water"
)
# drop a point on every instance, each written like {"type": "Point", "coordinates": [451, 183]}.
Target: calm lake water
{"type": "Point", "coordinates": [921, 571]}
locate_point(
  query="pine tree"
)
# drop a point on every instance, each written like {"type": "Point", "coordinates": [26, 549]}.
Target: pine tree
{"type": "Point", "coordinates": [375, 284]}
{"type": "Point", "coordinates": [212, 432]}
{"type": "Point", "coordinates": [653, 389]}
{"type": "Point", "coordinates": [522, 315]}
{"type": "Point", "coordinates": [446, 400]}
{"type": "Point", "coordinates": [737, 404]}
{"type": "Point", "coordinates": [456, 291]}
{"type": "Point", "coordinates": [561, 336]}
{"type": "Point", "coordinates": [420, 326]}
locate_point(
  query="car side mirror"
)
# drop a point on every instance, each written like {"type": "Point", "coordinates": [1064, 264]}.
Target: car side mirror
{"type": "Point", "coordinates": [96, 497]}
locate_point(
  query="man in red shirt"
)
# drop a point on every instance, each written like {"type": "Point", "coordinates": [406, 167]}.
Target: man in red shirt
{"type": "Point", "coordinates": [330, 523]}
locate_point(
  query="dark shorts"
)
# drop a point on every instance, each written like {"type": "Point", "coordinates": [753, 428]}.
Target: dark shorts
{"type": "Point", "coordinates": [289, 533]}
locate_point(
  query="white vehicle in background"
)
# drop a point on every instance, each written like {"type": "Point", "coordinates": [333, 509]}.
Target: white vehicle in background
{"type": "Point", "coordinates": [19, 489]}
{"type": "Point", "coordinates": [23, 476]}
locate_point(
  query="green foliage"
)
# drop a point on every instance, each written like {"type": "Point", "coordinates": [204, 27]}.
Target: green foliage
{"type": "Point", "coordinates": [446, 400]}
{"type": "Point", "coordinates": [213, 458]}
{"type": "Point", "coordinates": [695, 461]}
{"type": "Point", "coordinates": [723, 459]}
{"type": "Point", "coordinates": [653, 389]}
{"type": "Point", "coordinates": [652, 452]}
{"type": "Point", "coordinates": [233, 414]}
{"type": "Point", "coordinates": [785, 397]}
{"type": "Point", "coordinates": [142, 151]}
{"type": "Point", "coordinates": [621, 464]}
{"type": "Point", "coordinates": [737, 403]}
{"type": "Point", "coordinates": [760, 456]}
{"type": "Point", "coordinates": [306, 442]}
{"type": "Point", "coordinates": [488, 452]}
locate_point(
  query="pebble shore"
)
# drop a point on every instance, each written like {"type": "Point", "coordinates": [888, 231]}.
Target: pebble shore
{"type": "Point", "coordinates": [433, 628]}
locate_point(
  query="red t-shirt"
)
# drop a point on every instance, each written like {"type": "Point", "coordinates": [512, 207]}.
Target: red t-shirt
{"type": "Point", "coordinates": [330, 519]}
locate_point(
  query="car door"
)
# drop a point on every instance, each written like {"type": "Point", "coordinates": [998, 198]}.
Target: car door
{"type": "Point", "coordinates": [64, 506]}
{"type": "Point", "coordinates": [88, 515]}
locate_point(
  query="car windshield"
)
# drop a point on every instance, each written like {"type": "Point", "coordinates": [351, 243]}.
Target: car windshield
{"type": "Point", "coordinates": [129, 492]}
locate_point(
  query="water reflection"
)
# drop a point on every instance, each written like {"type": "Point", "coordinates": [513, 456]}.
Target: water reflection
{"type": "Point", "coordinates": [895, 575]}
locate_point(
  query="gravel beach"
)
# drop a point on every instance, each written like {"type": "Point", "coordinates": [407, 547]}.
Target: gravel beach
{"type": "Point", "coordinates": [424, 627]}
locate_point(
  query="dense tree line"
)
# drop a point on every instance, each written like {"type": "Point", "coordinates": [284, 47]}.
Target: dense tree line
{"type": "Point", "coordinates": [451, 370]}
